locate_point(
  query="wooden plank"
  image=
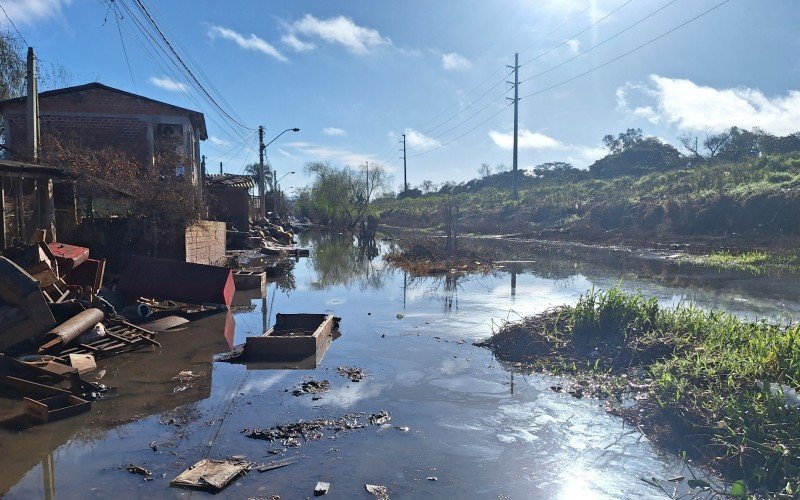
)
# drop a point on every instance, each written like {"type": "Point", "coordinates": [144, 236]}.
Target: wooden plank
{"type": "Point", "coordinates": [2, 213]}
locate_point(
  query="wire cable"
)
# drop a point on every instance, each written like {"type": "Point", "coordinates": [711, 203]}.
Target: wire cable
{"type": "Point", "coordinates": [462, 135]}
{"type": "Point", "coordinates": [551, 49]}
{"type": "Point", "coordinates": [14, 25]}
{"type": "Point", "coordinates": [576, 56]}
{"type": "Point", "coordinates": [639, 47]}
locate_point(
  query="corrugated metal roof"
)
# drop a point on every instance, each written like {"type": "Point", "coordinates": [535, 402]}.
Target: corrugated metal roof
{"type": "Point", "coordinates": [15, 166]}
{"type": "Point", "coordinates": [231, 180]}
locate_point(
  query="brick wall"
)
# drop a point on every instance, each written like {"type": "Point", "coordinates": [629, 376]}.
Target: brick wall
{"type": "Point", "coordinates": [231, 205]}
{"type": "Point", "coordinates": [205, 243]}
{"type": "Point", "coordinates": [96, 118]}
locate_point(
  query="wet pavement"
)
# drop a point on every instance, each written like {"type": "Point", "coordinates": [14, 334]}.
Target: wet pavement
{"type": "Point", "coordinates": [457, 415]}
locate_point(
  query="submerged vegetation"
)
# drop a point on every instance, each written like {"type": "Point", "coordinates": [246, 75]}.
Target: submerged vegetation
{"type": "Point", "coordinates": [721, 389]}
{"type": "Point", "coordinates": [754, 261]}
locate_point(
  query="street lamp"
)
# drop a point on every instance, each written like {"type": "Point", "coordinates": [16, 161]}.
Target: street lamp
{"type": "Point", "coordinates": [275, 189]}
{"type": "Point", "coordinates": [262, 180]}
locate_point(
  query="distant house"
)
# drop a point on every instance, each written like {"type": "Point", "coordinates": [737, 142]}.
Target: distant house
{"type": "Point", "coordinates": [98, 116]}
{"type": "Point", "coordinates": [229, 199]}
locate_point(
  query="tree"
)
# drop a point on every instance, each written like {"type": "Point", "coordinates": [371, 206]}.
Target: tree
{"type": "Point", "coordinates": [485, 170]}
{"type": "Point", "coordinates": [341, 196]}
{"type": "Point", "coordinates": [428, 187]}
{"type": "Point", "coordinates": [633, 154]}
{"type": "Point", "coordinates": [713, 144]}
{"type": "Point", "coordinates": [624, 140]}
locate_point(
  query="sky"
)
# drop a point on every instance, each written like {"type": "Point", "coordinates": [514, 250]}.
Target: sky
{"type": "Point", "coordinates": [355, 75]}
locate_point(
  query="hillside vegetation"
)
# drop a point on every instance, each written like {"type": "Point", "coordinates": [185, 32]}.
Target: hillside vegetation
{"type": "Point", "coordinates": [642, 191]}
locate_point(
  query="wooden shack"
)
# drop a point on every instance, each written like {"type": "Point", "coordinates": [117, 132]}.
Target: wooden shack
{"type": "Point", "coordinates": [33, 197]}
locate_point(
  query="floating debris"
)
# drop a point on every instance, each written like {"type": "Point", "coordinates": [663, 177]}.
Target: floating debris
{"type": "Point", "coordinates": [433, 478]}
{"type": "Point", "coordinates": [297, 433]}
{"type": "Point", "coordinates": [321, 488]}
{"type": "Point", "coordinates": [277, 464]}
{"type": "Point", "coordinates": [312, 387]}
{"type": "Point", "coordinates": [141, 471]}
{"type": "Point", "coordinates": [378, 490]}
{"type": "Point", "coordinates": [354, 373]}
{"type": "Point", "coordinates": [211, 475]}
{"type": "Point", "coordinates": [380, 418]}
{"type": "Point", "coordinates": [402, 429]}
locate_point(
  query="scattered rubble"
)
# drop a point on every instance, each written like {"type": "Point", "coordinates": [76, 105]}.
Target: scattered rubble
{"type": "Point", "coordinates": [321, 488]}
{"type": "Point", "coordinates": [312, 387]}
{"type": "Point", "coordinates": [354, 373]}
{"type": "Point", "coordinates": [277, 464]}
{"type": "Point", "coordinates": [379, 491]}
{"type": "Point", "coordinates": [141, 471]}
{"type": "Point", "coordinates": [291, 434]}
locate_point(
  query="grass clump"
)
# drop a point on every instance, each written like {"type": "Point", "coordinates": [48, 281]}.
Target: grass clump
{"type": "Point", "coordinates": [722, 389]}
{"type": "Point", "coordinates": [754, 261]}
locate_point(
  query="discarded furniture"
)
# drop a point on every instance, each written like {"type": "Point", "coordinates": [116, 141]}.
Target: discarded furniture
{"type": "Point", "coordinates": [88, 274]}
{"type": "Point", "coordinates": [176, 280]}
{"type": "Point", "coordinates": [23, 310]}
{"type": "Point", "coordinates": [55, 407]}
{"type": "Point", "coordinates": [294, 336]}
{"type": "Point", "coordinates": [249, 280]}
{"type": "Point", "coordinates": [120, 336]}
{"type": "Point", "coordinates": [68, 256]}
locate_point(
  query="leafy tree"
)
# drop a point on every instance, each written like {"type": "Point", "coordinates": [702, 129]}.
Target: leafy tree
{"type": "Point", "coordinates": [341, 196]}
{"type": "Point", "coordinates": [428, 187]}
{"type": "Point", "coordinates": [633, 154]}
{"type": "Point", "coordinates": [485, 170]}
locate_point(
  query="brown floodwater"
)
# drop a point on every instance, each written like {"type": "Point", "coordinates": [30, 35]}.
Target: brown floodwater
{"type": "Point", "coordinates": [479, 429]}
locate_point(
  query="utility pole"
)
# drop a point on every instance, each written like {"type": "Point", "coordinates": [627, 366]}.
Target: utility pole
{"type": "Point", "coordinates": [203, 167]}
{"type": "Point", "coordinates": [366, 169]}
{"type": "Point", "coordinates": [405, 171]}
{"type": "Point", "coordinates": [33, 108]}
{"type": "Point", "coordinates": [262, 189]}
{"type": "Point", "coordinates": [514, 172]}
{"type": "Point", "coordinates": [220, 168]}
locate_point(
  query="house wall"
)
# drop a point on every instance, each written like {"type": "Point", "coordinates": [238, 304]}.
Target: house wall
{"type": "Point", "coordinates": [231, 205]}
{"type": "Point", "coordinates": [100, 118]}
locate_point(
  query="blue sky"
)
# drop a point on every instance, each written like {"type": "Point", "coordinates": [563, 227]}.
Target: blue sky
{"type": "Point", "coordinates": [354, 75]}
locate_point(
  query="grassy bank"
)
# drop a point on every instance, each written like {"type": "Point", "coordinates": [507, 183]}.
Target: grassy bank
{"type": "Point", "coordinates": [750, 201]}
{"type": "Point", "coordinates": [718, 388]}
{"type": "Point", "coordinates": [755, 261]}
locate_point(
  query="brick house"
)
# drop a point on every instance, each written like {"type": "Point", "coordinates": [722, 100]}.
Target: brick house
{"type": "Point", "coordinates": [229, 199]}
{"type": "Point", "coordinates": [98, 116]}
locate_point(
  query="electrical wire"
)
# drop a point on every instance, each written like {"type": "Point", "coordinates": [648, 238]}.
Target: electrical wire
{"type": "Point", "coordinates": [14, 25]}
{"type": "Point", "coordinates": [125, 51]}
{"type": "Point", "coordinates": [639, 47]}
{"type": "Point", "coordinates": [551, 49]}
{"type": "Point", "coordinates": [583, 53]}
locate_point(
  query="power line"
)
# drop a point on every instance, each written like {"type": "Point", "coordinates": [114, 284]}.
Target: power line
{"type": "Point", "coordinates": [546, 36]}
{"type": "Point", "coordinates": [630, 27]}
{"type": "Point", "coordinates": [124, 50]}
{"type": "Point", "coordinates": [14, 25]}
{"type": "Point", "coordinates": [639, 47]}
{"type": "Point", "coordinates": [551, 49]}
{"type": "Point", "coordinates": [462, 135]}
{"type": "Point", "coordinates": [183, 64]}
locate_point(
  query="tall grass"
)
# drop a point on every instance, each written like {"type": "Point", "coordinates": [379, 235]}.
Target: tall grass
{"type": "Point", "coordinates": [724, 378]}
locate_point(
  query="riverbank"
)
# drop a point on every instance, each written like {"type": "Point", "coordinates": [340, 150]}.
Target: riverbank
{"type": "Point", "coordinates": [720, 389]}
{"type": "Point", "coordinates": [719, 206]}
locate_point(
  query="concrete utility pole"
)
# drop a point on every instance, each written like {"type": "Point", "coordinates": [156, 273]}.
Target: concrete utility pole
{"type": "Point", "coordinates": [514, 172]}
{"type": "Point", "coordinates": [405, 172]}
{"type": "Point", "coordinates": [33, 108]}
{"type": "Point", "coordinates": [262, 189]}
{"type": "Point", "coordinates": [275, 191]}
{"type": "Point", "coordinates": [220, 168]}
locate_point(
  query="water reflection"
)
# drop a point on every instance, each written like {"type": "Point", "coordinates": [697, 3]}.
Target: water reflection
{"type": "Point", "coordinates": [339, 260]}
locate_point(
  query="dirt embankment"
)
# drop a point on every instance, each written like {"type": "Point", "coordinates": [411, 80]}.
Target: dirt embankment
{"type": "Point", "coordinates": [720, 221]}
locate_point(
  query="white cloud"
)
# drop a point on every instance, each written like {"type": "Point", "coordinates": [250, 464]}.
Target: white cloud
{"type": "Point", "coordinates": [167, 83]}
{"type": "Point", "coordinates": [583, 156]}
{"type": "Point", "coordinates": [251, 42]}
{"type": "Point", "coordinates": [416, 139]}
{"type": "Point", "coordinates": [291, 40]}
{"type": "Point", "coordinates": [692, 107]}
{"type": "Point", "coordinates": [29, 12]}
{"type": "Point", "coordinates": [453, 62]}
{"type": "Point", "coordinates": [219, 142]}
{"type": "Point", "coordinates": [527, 140]}
{"type": "Point", "coordinates": [568, 8]}
{"type": "Point", "coordinates": [313, 151]}
{"type": "Point", "coordinates": [574, 45]}
{"type": "Point", "coordinates": [339, 30]}
{"type": "Point", "coordinates": [334, 131]}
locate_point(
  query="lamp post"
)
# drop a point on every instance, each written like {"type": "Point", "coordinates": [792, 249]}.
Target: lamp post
{"type": "Point", "coordinates": [275, 189]}
{"type": "Point", "coordinates": [262, 179]}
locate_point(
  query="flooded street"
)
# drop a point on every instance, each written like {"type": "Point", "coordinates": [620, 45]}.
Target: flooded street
{"type": "Point", "coordinates": [480, 430]}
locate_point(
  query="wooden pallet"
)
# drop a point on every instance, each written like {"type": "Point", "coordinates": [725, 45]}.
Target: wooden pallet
{"type": "Point", "coordinates": [120, 337]}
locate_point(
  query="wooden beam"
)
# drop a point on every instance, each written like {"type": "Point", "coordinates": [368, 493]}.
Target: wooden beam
{"type": "Point", "coordinates": [3, 213]}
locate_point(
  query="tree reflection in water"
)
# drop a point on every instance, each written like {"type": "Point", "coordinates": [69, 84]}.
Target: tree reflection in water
{"type": "Point", "coordinates": [340, 259]}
